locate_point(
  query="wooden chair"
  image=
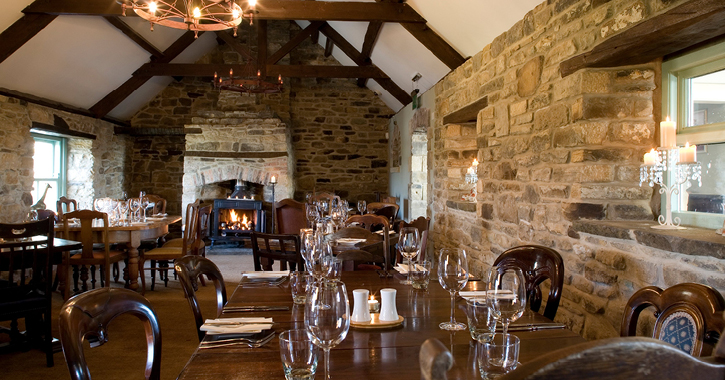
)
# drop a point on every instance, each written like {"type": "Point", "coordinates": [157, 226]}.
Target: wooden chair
{"type": "Point", "coordinates": [290, 216]}
{"type": "Point", "coordinates": [621, 359]}
{"type": "Point", "coordinates": [357, 259]}
{"type": "Point", "coordinates": [538, 264]}
{"type": "Point", "coordinates": [689, 316]}
{"type": "Point", "coordinates": [86, 317]}
{"type": "Point", "coordinates": [89, 256]}
{"type": "Point", "coordinates": [203, 217]}
{"type": "Point", "coordinates": [64, 205]}
{"type": "Point", "coordinates": [435, 360]}
{"type": "Point", "coordinates": [422, 224]}
{"type": "Point", "coordinates": [26, 280]}
{"type": "Point", "coordinates": [388, 210]}
{"type": "Point", "coordinates": [45, 214]}
{"type": "Point", "coordinates": [370, 222]}
{"type": "Point", "coordinates": [266, 248]}
{"type": "Point", "coordinates": [171, 251]}
{"type": "Point", "coordinates": [159, 204]}
{"type": "Point", "coordinates": [190, 268]}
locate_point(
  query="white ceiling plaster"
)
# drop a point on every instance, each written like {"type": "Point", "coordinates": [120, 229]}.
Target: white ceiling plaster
{"type": "Point", "coordinates": [11, 12]}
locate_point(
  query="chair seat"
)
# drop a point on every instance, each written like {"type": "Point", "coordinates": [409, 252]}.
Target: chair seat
{"type": "Point", "coordinates": [15, 308]}
{"type": "Point", "coordinates": [178, 242]}
{"type": "Point", "coordinates": [163, 253]}
{"type": "Point", "coordinates": [98, 258]}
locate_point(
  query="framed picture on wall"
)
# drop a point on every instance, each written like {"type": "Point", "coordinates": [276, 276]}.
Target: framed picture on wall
{"type": "Point", "coordinates": [699, 117]}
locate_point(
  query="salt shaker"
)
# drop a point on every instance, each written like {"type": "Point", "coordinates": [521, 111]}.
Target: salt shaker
{"type": "Point", "coordinates": [360, 311]}
{"type": "Point", "coordinates": [388, 311]}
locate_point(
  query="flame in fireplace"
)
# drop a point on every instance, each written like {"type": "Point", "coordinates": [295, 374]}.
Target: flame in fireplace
{"type": "Point", "coordinates": [239, 221]}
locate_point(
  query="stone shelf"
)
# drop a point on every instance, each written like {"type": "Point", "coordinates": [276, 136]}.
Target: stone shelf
{"type": "Point", "coordinates": [693, 241]}
{"type": "Point", "coordinates": [461, 205]}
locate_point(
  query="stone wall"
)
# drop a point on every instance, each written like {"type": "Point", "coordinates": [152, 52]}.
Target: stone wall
{"type": "Point", "coordinates": [338, 130]}
{"type": "Point", "coordinates": [96, 169]}
{"type": "Point", "coordinates": [553, 150]}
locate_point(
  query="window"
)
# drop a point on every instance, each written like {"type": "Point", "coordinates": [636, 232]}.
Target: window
{"type": "Point", "coordinates": [49, 165]}
{"type": "Point", "coordinates": [693, 94]}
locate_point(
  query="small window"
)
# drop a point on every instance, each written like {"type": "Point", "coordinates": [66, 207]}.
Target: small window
{"type": "Point", "coordinates": [49, 169]}
{"type": "Point", "coordinates": [693, 94]}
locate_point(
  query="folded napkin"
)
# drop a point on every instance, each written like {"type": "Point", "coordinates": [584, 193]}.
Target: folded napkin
{"type": "Point", "coordinates": [236, 325]}
{"type": "Point", "coordinates": [272, 274]}
{"type": "Point", "coordinates": [349, 241]}
{"type": "Point", "coordinates": [403, 268]}
{"type": "Point", "coordinates": [472, 294]}
{"type": "Point", "coordinates": [381, 232]}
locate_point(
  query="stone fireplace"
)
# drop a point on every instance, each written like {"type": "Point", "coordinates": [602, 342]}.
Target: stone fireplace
{"type": "Point", "coordinates": [224, 147]}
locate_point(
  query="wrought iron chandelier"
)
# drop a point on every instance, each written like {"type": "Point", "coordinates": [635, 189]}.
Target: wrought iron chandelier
{"type": "Point", "coordinates": [194, 15]}
{"type": "Point", "coordinates": [247, 84]}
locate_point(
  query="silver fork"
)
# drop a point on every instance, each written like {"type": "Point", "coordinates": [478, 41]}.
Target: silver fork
{"type": "Point", "coordinates": [253, 343]}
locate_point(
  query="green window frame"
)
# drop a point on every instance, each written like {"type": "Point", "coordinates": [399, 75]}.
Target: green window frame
{"type": "Point", "coordinates": [49, 167]}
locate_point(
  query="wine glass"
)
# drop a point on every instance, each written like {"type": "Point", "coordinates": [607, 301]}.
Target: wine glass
{"type": "Point", "coordinates": [408, 245]}
{"type": "Point", "coordinates": [312, 214]}
{"type": "Point", "coordinates": [361, 206]}
{"type": "Point", "coordinates": [506, 294]}
{"type": "Point", "coordinates": [307, 244]}
{"type": "Point", "coordinates": [135, 205]}
{"type": "Point", "coordinates": [453, 276]}
{"type": "Point", "coordinates": [123, 210]}
{"type": "Point", "coordinates": [327, 316]}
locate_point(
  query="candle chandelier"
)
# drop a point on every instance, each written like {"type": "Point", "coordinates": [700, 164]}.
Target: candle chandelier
{"type": "Point", "coordinates": [247, 83]}
{"type": "Point", "coordinates": [194, 15]}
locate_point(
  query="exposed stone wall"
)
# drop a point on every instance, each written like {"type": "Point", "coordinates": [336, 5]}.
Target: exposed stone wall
{"type": "Point", "coordinates": [554, 150]}
{"type": "Point", "coordinates": [158, 168]}
{"type": "Point", "coordinates": [337, 129]}
{"type": "Point", "coordinates": [96, 169]}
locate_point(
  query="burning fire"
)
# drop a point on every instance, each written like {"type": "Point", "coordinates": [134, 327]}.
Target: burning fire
{"type": "Point", "coordinates": [239, 222]}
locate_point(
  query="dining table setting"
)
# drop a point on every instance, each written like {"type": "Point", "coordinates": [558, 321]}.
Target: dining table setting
{"type": "Point", "coordinates": [342, 324]}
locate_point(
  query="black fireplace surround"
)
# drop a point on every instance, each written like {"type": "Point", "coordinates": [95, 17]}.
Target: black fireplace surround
{"type": "Point", "coordinates": [221, 232]}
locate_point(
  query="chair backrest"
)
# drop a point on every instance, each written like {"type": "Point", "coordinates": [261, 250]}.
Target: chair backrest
{"type": "Point", "coordinates": [64, 205]}
{"type": "Point", "coordinates": [353, 259]}
{"type": "Point", "coordinates": [435, 360]}
{"type": "Point", "coordinates": [619, 359]}
{"type": "Point", "coordinates": [290, 216]}
{"type": "Point", "coordinates": [44, 213]}
{"type": "Point", "coordinates": [20, 254]}
{"type": "Point", "coordinates": [269, 247]}
{"type": "Point", "coordinates": [189, 268]}
{"type": "Point", "coordinates": [191, 224]}
{"type": "Point", "coordinates": [159, 204]}
{"type": "Point", "coordinates": [689, 316]}
{"type": "Point", "coordinates": [87, 316]}
{"type": "Point", "coordinates": [422, 224]}
{"type": "Point", "coordinates": [388, 210]}
{"type": "Point", "coordinates": [86, 218]}
{"type": "Point", "coordinates": [370, 222]}
{"type": "Point", "coordinates": [203, 224]}
{"type": "Point", "coordinates": [355, 233]}
{"type": "Point", "coordinates": [538, 264]}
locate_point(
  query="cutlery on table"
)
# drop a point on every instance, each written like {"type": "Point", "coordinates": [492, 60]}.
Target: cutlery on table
{"type": "Point", "coordinates": [249, 309]}
{"type": "Point", "coordinates": [253, 343]}
{"type": "Point", "coordinates": [535, 327]}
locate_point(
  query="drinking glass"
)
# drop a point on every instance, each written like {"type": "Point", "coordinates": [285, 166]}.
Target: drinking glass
{"type": "Point", "coordinates": [361, 206]}
{"type": "Point", "coordinates": [408, 245]}
{"type": "Point", "coordinates": [327, 316]}
{"type": "Point", "coordinates": [420, 275]}
{"type": "Point", "coordinates": [123, 210]}
{"type": "Point", "coordinates": [453, 276]}
{"type": "Point", "coordinates": [331, 268]}
{"type": "Point", "coordinates": [307, 244]}
{"type": "Point", "coordinates": [506, 294]}
{"type": "Point", "coordinates": [320, 252]}
{"type": "Point", "coordinates": [299, 282]}
{"type": "Point", "coordinates": [135, 205]}
{"type": "Point", "coordinates": [498, 356]}
{"type": "Point", "coordinates": [299, 355]}
{"type": "Point", "coordinates": [481, 319]}
{"type": "Point", "coordinates": [312, 214]}
{"type": "Point", "coordinates": [144, 206]}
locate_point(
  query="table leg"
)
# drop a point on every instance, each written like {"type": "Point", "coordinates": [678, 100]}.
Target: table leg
{"type": "Point", "coordinates": [132, 267]}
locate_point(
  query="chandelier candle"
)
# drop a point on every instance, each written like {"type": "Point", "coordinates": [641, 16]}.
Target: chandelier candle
{"type": "Point", "coordinates": [668, 130]}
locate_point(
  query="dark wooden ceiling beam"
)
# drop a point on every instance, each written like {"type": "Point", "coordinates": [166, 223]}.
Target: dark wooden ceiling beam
{"type": "Point", "coordinates": [294, 42]}
{"type": "Point", "coordinates": [113, 99]}
{"type": "Point", "coordinates": [386, 83]}
{"type": "Point", "coordinates": [58, 106]}
{"type": "Point", "coordinates": [371, 36]}
{"type": "Point", "coordinates": [288, 71]}
{"type": "Point", "coordinates": [329, 45]}
{"type": "Point", "coordinates": [134, 36]}
{"type": "Point", "coordinates": [679, 28]}
{"type": "Point", "coordinates": [268, 10]}
{"type": "Point", "coordinates": [20, 32]}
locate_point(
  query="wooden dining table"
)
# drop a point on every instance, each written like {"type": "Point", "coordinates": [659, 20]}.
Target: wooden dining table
{"type": "Point", "coordinates": [129, 235]}
{"type": "Point", "coordinates": [366, 353]}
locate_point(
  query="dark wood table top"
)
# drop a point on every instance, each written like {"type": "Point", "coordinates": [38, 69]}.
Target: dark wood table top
{"type": "Point", "coordinates": [392, 353]}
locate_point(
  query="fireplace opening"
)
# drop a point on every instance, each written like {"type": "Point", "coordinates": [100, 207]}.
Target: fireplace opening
{"type": "Point", "coordinates": [234, 220]}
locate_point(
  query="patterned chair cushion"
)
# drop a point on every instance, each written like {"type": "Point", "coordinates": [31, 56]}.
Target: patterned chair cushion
{"type": "Point", "coordinates": [678, 329]}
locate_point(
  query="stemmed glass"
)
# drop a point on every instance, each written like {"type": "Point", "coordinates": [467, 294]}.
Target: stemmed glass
{"type": "Point", "coordinates": [327, 316]}
{"type": "Point", "coordinates": [312, 214]}
{"type": "Point", "coordinates": [453, 276]}
{"type": "Point", "coordinates": [135, 205]}
{"type": "Point", "coordinates": [408, 245]}
{"type": "Point", "coordinates": [307, 245]}
{"type": "Point", "coordinates": [123, 210]}
{"type": "Point", "coordinates": [144, 205]}
{"type": "Point", "coordinates": [361, 206]}
{"type": "Point", "coordinates": [506, 294]}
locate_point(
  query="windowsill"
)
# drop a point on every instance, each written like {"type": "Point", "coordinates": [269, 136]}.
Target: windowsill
{"type": "Point", "coordinates": [693, 241]}
{"type": "Point", "coordinates": [461, 205]}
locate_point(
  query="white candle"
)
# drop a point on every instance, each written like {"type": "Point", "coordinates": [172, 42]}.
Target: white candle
{"type": "Point", "coordinates": [373, 305]}
{"type": "Point", "coordinates": [650, 158]}
{"type": "Point", "coordinates": [273, 180]}
{"type": "Point", "coordinates": [668, 131]}
{"type": "Point", "coordinates": [688, 154]}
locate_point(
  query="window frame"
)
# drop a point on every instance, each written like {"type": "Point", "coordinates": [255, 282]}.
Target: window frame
{"type": "Point", "coordinates": [675, 102]}
{"type": "Point", "coordinates": [60, 182]}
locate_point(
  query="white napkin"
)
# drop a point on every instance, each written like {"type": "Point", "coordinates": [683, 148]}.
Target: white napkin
{"type": "Point", "coordinates": [236, 325]}
{"type": "Point", "coordinates": [267, 274]}
{"type": "Point", "coordinates": [349, 241]}
{"type": "Point", "coordinates": [381, 232]}
{"type": "Point", "coordinates": [403, 268]}
{"type": "Point", "coordinates": [472, 294]}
